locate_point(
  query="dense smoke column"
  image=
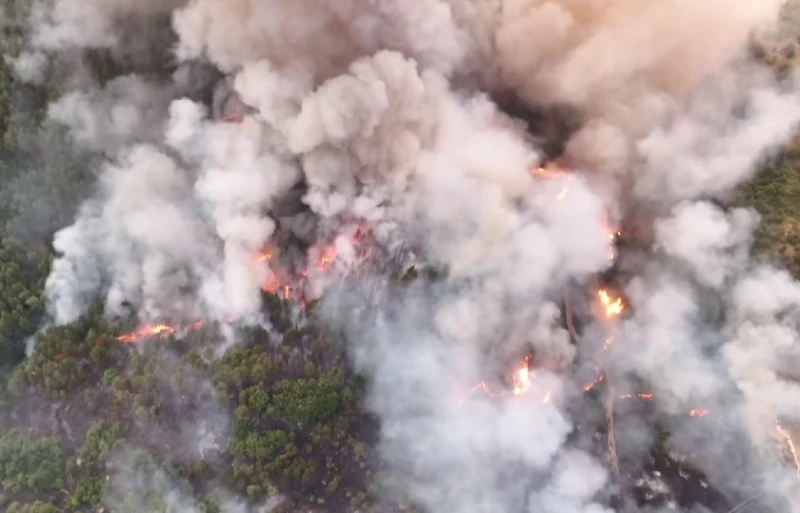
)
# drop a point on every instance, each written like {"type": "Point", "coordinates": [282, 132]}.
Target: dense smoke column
{"type": "Point", "coordinates": [247, 147]}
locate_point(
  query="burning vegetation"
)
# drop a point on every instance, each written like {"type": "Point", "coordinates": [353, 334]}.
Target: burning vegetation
{"type": "Point", "coordinates": [363, 257]}
{"type": "Point", "coordinates": [608, 308]}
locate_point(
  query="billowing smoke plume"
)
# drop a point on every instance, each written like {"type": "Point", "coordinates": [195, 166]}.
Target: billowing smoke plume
{"type": "Point", "coordinates": [259, 132]}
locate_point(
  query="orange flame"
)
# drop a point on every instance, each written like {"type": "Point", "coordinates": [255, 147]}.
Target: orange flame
{"type": "Point", "coordinates": [271, 285]}
{"type": "Point", "coordinates": [276, 284]}
{"type": "Point", "coordinates": [265, 256]}
{"type": "Point", "coordinates": [286, 286]}
{"type": "Point", "coordinates": [612, 307]}
{"type": "Point", "coordinates": [522, 383]}
{"type": "Point", "coordinates": [146, 331]}
{"type": "Point", "coordinates": [548, 173]}
{"type": "Point", "coordinates": [327, 258]}
{"type": "Point", "coordinates": [698, 412]}
{"type": "Point", "coordinates": [154, 330]}
{"type": "Point", "coordinates": [522, 378]}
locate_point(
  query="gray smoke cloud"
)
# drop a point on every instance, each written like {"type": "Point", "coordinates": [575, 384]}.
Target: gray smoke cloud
{"type": "Point", "coordinates": [324, 116]}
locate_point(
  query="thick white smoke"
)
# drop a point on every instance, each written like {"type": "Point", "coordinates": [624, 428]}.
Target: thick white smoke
{"type": "Point", "coordinates": [333, 114]}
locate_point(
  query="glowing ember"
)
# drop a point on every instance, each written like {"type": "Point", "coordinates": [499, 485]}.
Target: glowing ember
{"type": "Point", "coordinates": [612, 307]}
{"type": "Point", "coordinates": [787, 439]}
{"type": "Point", "coordinates": [698, 413]}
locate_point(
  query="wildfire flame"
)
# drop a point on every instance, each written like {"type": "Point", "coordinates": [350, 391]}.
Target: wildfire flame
{"type": "Point", "coordinates": [698, 412]}
{"type": "Point", "coordinates": [549, 172]}
{"type": "Point", "coordinates": [612, 307]}
{"type": "Point", "coordinates": [522, 384]}
{"type": "Point", "coordinates": [277, 284]}
{"type": "Point", "coordinates": [328, 257]}
{"type": "Point", "coordinates": [147, 331]}
{"type": "Point", "coordinates": [522, 378]}
{"type": "Point", "coordinates": [265, 256]}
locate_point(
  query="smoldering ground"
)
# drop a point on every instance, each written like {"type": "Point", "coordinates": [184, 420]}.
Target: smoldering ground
{"type": "Point", "coordinates": [382, 114]}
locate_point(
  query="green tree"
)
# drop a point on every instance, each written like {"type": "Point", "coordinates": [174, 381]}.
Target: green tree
{"type": "Point", "coordinates": [22, 276]}
{"type": "Point", "coordinates": [100, 439]}
{"type": "Point", "coordinates": [312, 400]}
{"type": "Point", "coordinates": [30, 463]}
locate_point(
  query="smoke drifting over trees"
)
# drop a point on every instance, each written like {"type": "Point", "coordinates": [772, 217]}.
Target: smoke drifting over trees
{"type": "Point", "coordinates": [326, 208]}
